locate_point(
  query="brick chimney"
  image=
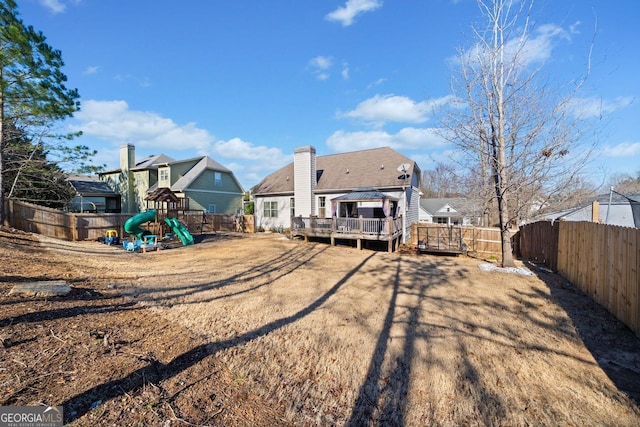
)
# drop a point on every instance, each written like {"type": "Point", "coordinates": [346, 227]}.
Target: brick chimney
{"type": "Point", "coordinates": [304, 170]}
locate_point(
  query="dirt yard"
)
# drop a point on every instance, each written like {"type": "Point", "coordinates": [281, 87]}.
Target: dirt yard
{"type": "Point", "coordinates": [252, 330]}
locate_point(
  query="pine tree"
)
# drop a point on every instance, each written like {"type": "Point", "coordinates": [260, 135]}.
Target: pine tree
{"type": "Point", "coordinates": [33, 92]}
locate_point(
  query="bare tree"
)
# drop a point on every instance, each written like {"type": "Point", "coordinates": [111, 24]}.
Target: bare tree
{"type": "Point", "coordinates": [444, 180]}
{"type": "Point", "coordinates": [625, 183]}
{"type": "Point", "coordinates": [520, 137]}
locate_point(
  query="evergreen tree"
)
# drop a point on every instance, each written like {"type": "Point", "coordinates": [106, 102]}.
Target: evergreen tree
{"type": "Point", "coordinates": [30, 176]}
{"type": "Point", "coordinates": [33, 98]}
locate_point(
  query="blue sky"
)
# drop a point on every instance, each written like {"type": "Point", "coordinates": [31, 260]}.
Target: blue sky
{"type": "Point", "coordinates": [247, 81]}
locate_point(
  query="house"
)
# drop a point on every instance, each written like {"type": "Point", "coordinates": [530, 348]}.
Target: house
{"type": "Point", "coordinates": [377, 183]}
{"type": "Point", "coordinates": [623, 211]}
{"type": "Point", "coordinates": [450, 211]}
{"type": "Point", "coordinates": [199, 183]}
{"type": "Point", "coordinates": [92, 195]}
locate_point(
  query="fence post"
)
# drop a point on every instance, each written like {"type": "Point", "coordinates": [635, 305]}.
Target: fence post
{"type": "Point", "coordinates": [74, 228]}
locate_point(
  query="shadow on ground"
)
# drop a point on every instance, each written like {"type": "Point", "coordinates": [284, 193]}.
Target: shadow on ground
{"type": "Point", "coordinates": [613, 345]}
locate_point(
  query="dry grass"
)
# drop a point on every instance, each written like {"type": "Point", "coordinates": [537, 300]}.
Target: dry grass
{"type": "Point", "coordinates": [337, 336]}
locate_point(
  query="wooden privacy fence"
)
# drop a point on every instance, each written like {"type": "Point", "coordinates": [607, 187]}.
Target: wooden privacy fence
{"type": "Point", "coordinates": [601, 260]}
{"type": "Point", "coordinates": [480, 241]}
{"type": "Point", "coordinates": [89, 226]}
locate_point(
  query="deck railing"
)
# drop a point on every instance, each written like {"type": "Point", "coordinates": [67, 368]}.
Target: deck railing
{"type": "Point", "coordinates": [352, 226]}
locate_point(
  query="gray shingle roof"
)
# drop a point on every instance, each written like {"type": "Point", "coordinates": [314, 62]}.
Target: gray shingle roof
{"type": "Point", "coordinates": [152, 162]}
{"type": "Point", "coordinates": [203, 164]}
{"type": "Point", "coordinates": [90, 186]}
{"type": "Point", "coordinates": [463, 207]}
{"type": "Point", "coordinates": [364, 194]}
{"type": "Point", "coordinates": [375, 168]}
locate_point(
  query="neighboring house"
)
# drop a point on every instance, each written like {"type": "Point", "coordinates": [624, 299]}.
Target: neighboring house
{"type": "Point", "coordinates": [200, 183]}
{"type": "Point", "coordinates": [92, 195]}
{"type": "Point", "coordinates": [623, 211]}
{"type": "Point", "coordinates": [322, 186]}
{"type": "Point", "coordinates": [450, 211]}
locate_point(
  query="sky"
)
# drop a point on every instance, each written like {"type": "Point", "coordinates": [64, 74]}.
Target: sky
{"type": "Point", "coordinates": [247, 81]}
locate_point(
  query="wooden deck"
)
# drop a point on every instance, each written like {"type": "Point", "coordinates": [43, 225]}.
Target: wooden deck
{"type": "Point", "coordinates": [357, 229]}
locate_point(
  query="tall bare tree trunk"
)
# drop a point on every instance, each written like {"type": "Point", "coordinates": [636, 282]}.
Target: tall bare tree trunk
{"type": "Point", "coordinates": [3, 214]}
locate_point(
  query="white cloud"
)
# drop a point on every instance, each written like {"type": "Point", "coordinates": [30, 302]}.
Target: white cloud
{"type": "Point", "coordinates": [536, 48]}
{"type": "Point", "coordinates": [593, 107]}
{"type": "Point", "coordinates": [140, 81]}
{"type": "Point", "coordinates": [236, 148]}
{"type": "Point", "coordinates": [55, 6]}
{"type": "Point", "coordinates": [91, 69]}
{"type": "Point", "coordinates": [58, 6]}
{"type": "Point", "coordinates": [320, 65]}
{"type": "Point", "coordinates": [346, 14]}
{"type": "Point", "coordinates": [345, 71]}
{"type": "Point", "coordinates": [625, 149]}
{"type": "Point", "coordinates": [321, 62]}
{"type": "Point", "coordinates": [115, 123]}
{"type": "Point", "coordinates": [376, 83]}
{"type": "Point", "coordinates": [393, 108]}
{"type": "Point", "coordinates": [407, 138]}
{"type": "Point", "coordinates": [540, 47]}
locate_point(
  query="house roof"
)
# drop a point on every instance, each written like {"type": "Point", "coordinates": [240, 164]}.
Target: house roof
{"type": "Point", "coordinates": [375, 168]}
{"type": "Point", "coordinates": [620, 212]}
{"type": "Point", "coordinates": [364, 194]}
{"type": "Point", "coordinates": [162, 195]}
{"type": "Point", "coordinates": [204, 163]}
{"type": "Point", "coordinates": [152, 162]}
{"type": "Point", "coordinates": [461, 206]}
{"type": "Point", "coordinates": [90, 185]}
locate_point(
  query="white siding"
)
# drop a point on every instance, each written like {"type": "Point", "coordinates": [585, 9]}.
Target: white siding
{"type": "Point", "coordinates": [304, 164]}
{"type": "Point", "coordinates": [267, 223]}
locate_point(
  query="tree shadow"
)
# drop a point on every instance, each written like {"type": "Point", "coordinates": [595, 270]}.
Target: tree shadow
{"type": "Point", "coordinates": [264, 274]}
{"type": "Point", "coordinates": [80, 404]}
{"type": "Point", "coordinates": [285, 263]}
{"type": "Point", "coordinates": [382, 396]}
{"type": "Point", "coordinates": [612, 344]}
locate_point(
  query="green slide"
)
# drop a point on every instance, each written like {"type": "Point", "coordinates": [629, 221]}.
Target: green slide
{"type": "Point", "coordinates": [180, 230]}
{"type": "Point", "coordinates": [132, 225]}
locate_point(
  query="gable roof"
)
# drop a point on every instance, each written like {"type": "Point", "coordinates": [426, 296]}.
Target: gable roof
{"type": "Point", "coordinates": [204, 163]}
{"type": "Point", "coordinates": [364, 194]}
{"type": "Point", "coordinates": [90, 185]}
{"type": "Point", "coordinates": [623, 211]}
{"type": "Point", "coordinates": [152, 162]}
{"type": "Point", "coordinates": [461, 206]}
{"type": "Point", "coordinates": [162, 195]}
{"type": "Point", "coordinates": [375, 168]}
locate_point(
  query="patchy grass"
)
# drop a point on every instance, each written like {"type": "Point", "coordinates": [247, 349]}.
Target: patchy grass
{"type": "Point", "coordinates": [263, 331]}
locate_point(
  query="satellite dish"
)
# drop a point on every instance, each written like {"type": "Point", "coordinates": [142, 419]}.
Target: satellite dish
{"type": "Point", "coordinates": [404, 167]}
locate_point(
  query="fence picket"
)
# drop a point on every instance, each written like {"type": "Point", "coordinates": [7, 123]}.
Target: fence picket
{"type": "Point", "coordinates": [602, 260]}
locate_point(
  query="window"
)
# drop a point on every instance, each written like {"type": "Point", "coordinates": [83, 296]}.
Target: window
{"type": "Point", "coordinates": [212, 209]}
{"type": "Point", "coordinates": [442, 220]}
{"type": "Point", "coordinates": [164, 174]}
{"type": "Point", "coordinates": [322, 207]}
{"type": "Point", "coordinates": [292, 206]}
{"type": "Point", "coordinates": [270, 209]}
{"type": "Point", "coordinates": [218, 179]}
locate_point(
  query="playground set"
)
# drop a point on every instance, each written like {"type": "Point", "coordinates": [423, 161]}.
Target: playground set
{"type": "Point", "coordinates": [142, 239]}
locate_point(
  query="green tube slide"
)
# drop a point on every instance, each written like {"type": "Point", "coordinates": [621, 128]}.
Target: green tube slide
{"type": "Point", "coordinates": [180, 230]}
{"type": "Point", "coordinates": [132, 225]}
